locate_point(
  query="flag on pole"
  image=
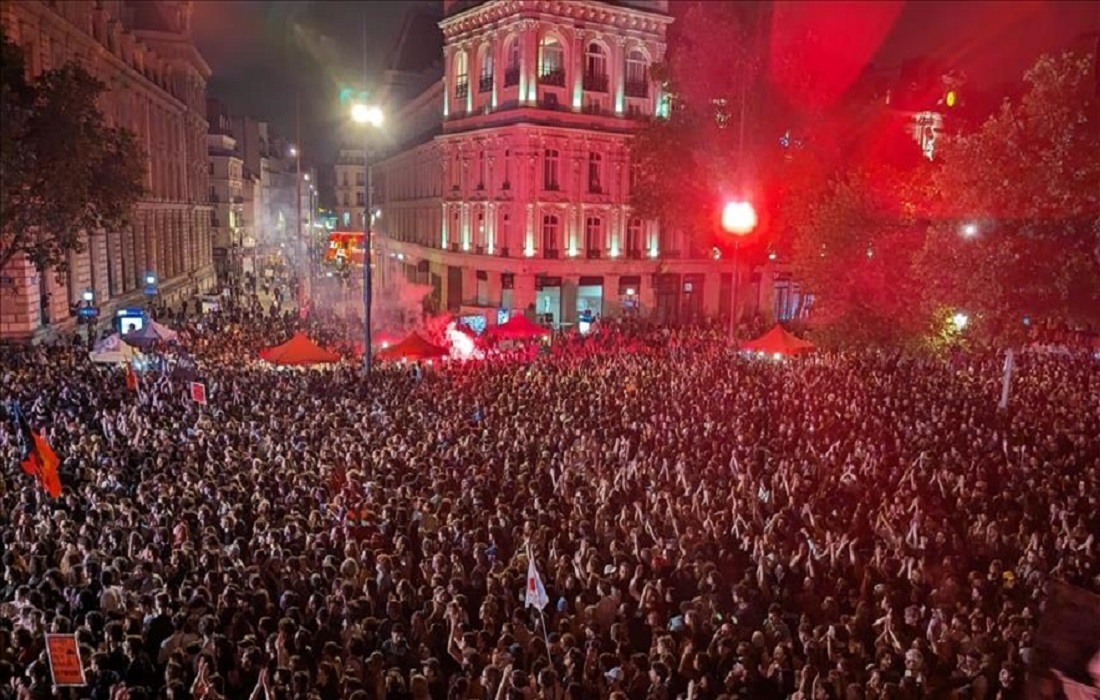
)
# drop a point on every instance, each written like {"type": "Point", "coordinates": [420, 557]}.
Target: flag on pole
{"type": "Point", "coordinates": [1006, 385]}
{"type": "Point", "coordinates": [536, 592]}
{"type": "Point", "coordinates": [131, 378]}
{"type": "Point", "coordinates": [37, 457]}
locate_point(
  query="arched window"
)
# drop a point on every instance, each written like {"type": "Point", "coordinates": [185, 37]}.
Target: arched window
{"type": "Point", "coordinates": [637, 74]}
{"type": "Point", "coordinates": [595, 68]}
{"type": "Point", "coordinates": [485, 82]}
{"type": "Point", "coordinates": [551, 61]}
{"type": "Point", "coordinates": [462, 75]}
{"type": "Point", "coordinates": [593, 235]}
{"type": "Point", "coordinates": [550, 236]}
{"type": "Point", "coordinates": [551, 164]}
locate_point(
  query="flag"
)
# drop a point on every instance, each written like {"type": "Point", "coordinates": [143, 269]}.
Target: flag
{"type": "Point", "coordinates": [37, 457]}
{"type": "Point", "coordinates": [536, 592]}
{"type": "Point", "coordinates": [1006, 382]}
{"type": "Point", "coordinates": [131, 378]}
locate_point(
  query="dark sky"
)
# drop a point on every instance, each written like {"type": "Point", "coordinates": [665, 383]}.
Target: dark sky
{"type": "Point", "coordinates": [264, 52]}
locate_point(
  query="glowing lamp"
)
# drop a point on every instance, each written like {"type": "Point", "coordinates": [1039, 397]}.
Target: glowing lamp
{"type": "Point", "coordinates": [630, 291]}
{"type": "Point", "coordinates": [970, 230]}
{"type": "Point", "coordinates": [88, 296]}
{"type": "Point", "coordinates": [960, 320]}
{"type": "Point", "coordinates": [777, 356]}
{"type": "Point", "coordinates": [366, 114]}
{"type": "Point", "coordinates": [150, 279]}
{"type": "Point", "coordinates": [739, 218]}
{"type": "Point", "coordinates": [951, 98]}
{"type": "Point", "coordinates": [529, 252]}
{"type": "Point", "coordinates": [572, 252]}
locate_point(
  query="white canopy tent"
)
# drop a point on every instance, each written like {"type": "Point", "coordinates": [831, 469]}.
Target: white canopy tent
{"type": "Point", "coordinates": [112, 350]}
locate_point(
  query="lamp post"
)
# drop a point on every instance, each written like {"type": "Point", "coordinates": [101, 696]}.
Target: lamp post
{"type": "Point", "coordinates": [738, 219]}
{"type": "Point", "coordinates": [370, 116]}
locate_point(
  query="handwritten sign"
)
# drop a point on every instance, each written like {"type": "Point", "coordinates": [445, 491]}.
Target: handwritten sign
{"type": "Point", "coordinates": [65, 663]}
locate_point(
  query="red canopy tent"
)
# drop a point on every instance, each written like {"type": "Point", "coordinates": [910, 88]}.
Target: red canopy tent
{"type": "Point", "coordinates": [381, 339]}
{"type": "Point", "coordinates": [778, 341]}
{"type": "Point", "coordinates": [519, 328]}
{"type": "Point", "coordinates": [412, 348]}
{"type": "Point", "coordinates": [299, 350]}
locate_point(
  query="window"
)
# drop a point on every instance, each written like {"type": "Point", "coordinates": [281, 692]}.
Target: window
{"type": "Point", "coordinates": [345, 178]}
{"type": "Point", "coordinates": [550, 236]}
{"type": "Point", "coordinates": [359, 199]}
{"type": "Point", "coordinates": [637, 74]}
{"type": "Point", "coordinates": [593, 235]}
{"type": "Point", "coordinates": [482, 175]}
{"type": "Point", "coordinates": [507, 184]}
{"type": "Point", "coordinates": [511, 72]}
{"type": "Point", "coordinates": [634, 238]}
{"type": "Point", "coordinates": [550, 170]}
{"type": "Point", "coordinates": [211, 168]}
{"type": "Point", "coordinates": [347, 215]}
{"type": "Point", "coordinates": [479, 232]}
{"type": "Point", "coordinates": [347, 200]}
{"type": "Point", "coordinates": [485, 84]}
{"type": "Point", "coordinates": [462, 75]}
{"type": "Point", "coordinates": [551, 62]}
{"type": "Point", "coordinates": [595, 173]}
{"type": "Point", "coordinates": [595, 68]}
{"type": "Point", "coordinates": [360, 178]}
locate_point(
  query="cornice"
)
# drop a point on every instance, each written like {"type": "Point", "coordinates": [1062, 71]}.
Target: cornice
{"type": "Point", "coordinates": [587, 11]}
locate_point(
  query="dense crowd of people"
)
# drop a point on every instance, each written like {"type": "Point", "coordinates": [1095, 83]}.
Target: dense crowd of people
{"type": "Point", "coordinates": [706, 525]}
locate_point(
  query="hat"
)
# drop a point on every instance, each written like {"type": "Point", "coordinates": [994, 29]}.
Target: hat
{"type": "Point", "coordinates": [615, 674]}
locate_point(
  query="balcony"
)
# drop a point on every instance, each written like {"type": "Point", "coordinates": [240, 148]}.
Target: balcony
{"type": "Point", "coordinates": [485, 83]}
{"type": "Point", "coordinates": [238, 199]}
{"type": "Point", "coordinates": [462, 88]}
{"type": "Point", "coordinates": [634, 254]}
{"type": "Point", "coordinates": [594, 254]}
{"type": "Point", "coordinates": [550, 254]}
{"type": "Point", "coordinates": [594, 188]}
{"type": "Point", "coordinates": [594, 82]}
{"type": "Point", "coordinates": [504, 252]}
{"type": "Point", "coordinates": [636, 88]}
{"type": "Point", "coordinates": [555, 76]}
{"type": "Point", "coordinates": [511, 76]}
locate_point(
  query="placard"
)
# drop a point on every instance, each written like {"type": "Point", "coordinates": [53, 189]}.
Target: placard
{"type": "Point", "coordinates": [198, 393]}
{"type": "Point", "coordinates": [64, 655]}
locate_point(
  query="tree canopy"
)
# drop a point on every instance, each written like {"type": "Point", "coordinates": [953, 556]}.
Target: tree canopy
{"type": "Point", "coordinates": [64, 172]}
{"type": "Point", "coordinates": [1018, 234]}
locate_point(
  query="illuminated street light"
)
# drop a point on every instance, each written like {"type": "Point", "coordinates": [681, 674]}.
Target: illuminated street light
{"type": "Point", "coordinates": [738, 219]}
{"type": "Point", "coordinates": [372, 116]}
{"type": "Point", "coordinates": [306, 176]}
{"type": "Point", "coordinates": [293, 152]}
{"type": "Point", "coordinates": [366, 114]}
{"type": "Point", "coordinates": [960, 320]}
{"type": "Point", "coordinates": [88, 296]}
{"type": "Point", "coordinates": [970, 230]}
{"type": "Point", "coordinates": [150, 279]}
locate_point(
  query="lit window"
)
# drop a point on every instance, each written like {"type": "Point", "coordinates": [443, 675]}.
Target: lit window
{"type": "Point", "coordinates": [551, 61]}
{"type": "Point", "coordinates": [593, 234]}
{"type": "Point", "coordinates": [634, 238]}
{"type": "Point", "coordinates": [462, 75]}
{"type": "Point", "coordinates": [637, 74]}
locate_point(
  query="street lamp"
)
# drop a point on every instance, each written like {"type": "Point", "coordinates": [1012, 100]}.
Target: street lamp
{"type": "Point", "coordinates": [738, 219]}
{"type": "Point", "coordinates": [969, 230]}
{"type": "Point", "coordinates": [960, 320]}
{"type": "Point", "coordinates": [371, 116]}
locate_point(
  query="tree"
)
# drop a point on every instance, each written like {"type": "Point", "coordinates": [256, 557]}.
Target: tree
{"type": "Point", "coordinates": [64, 173]}
{"type": "Point", "coordinates": [1028, 181]}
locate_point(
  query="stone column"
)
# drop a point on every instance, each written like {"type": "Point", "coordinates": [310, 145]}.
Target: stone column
{"type": "Point", "coordinates": [529, 60]}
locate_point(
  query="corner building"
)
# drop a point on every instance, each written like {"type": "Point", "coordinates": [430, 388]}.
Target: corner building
{"type": "Point", "coordinates": [520, 202]}
{"type": "Point", "coordinates": [156, 87]}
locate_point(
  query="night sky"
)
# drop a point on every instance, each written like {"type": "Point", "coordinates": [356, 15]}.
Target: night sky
{"type": "Point", "coordinates": [264, 51]}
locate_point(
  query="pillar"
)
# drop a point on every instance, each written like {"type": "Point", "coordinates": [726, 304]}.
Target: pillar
{"type": "Point", "coordinates": [523, 292]}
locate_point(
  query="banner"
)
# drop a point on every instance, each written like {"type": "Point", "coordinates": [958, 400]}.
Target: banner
{"type": "Point", "coordinates": [65, 665]}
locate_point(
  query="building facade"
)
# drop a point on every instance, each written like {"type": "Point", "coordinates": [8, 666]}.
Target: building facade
{"type": "Point", "coordinates": [227, 223]}
{"type": "Point", "coordinates": [521, 203]}
{"type": "Point", "coordinates": [156, 87]}
{"type": "Point", "coordinates": [351, 189]}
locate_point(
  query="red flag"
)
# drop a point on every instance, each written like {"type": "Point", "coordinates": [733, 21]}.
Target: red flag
{"type": "Point", "coordinates": [131, 379]}
{"type": "Point", "coordinates": [39, 460]}
{"type": "Point", "coordinates": [198, 393]}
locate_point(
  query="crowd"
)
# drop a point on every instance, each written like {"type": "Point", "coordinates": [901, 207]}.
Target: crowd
{"type": "Point", "coordinates": [706, 526]}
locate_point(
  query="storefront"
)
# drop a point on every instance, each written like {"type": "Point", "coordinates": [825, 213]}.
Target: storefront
{"type": "Point", "coordinates": [548, 300]}
{"type": "Point", "coordinates": [590, 297]}
{"type": "Point", "coordinates": [630, 287]}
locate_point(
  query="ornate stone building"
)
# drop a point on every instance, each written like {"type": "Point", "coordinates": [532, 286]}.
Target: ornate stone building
{"type": "Point", "coordinates": [156, 87]}
{"type": "Point", "coordinates": [521, 200]}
